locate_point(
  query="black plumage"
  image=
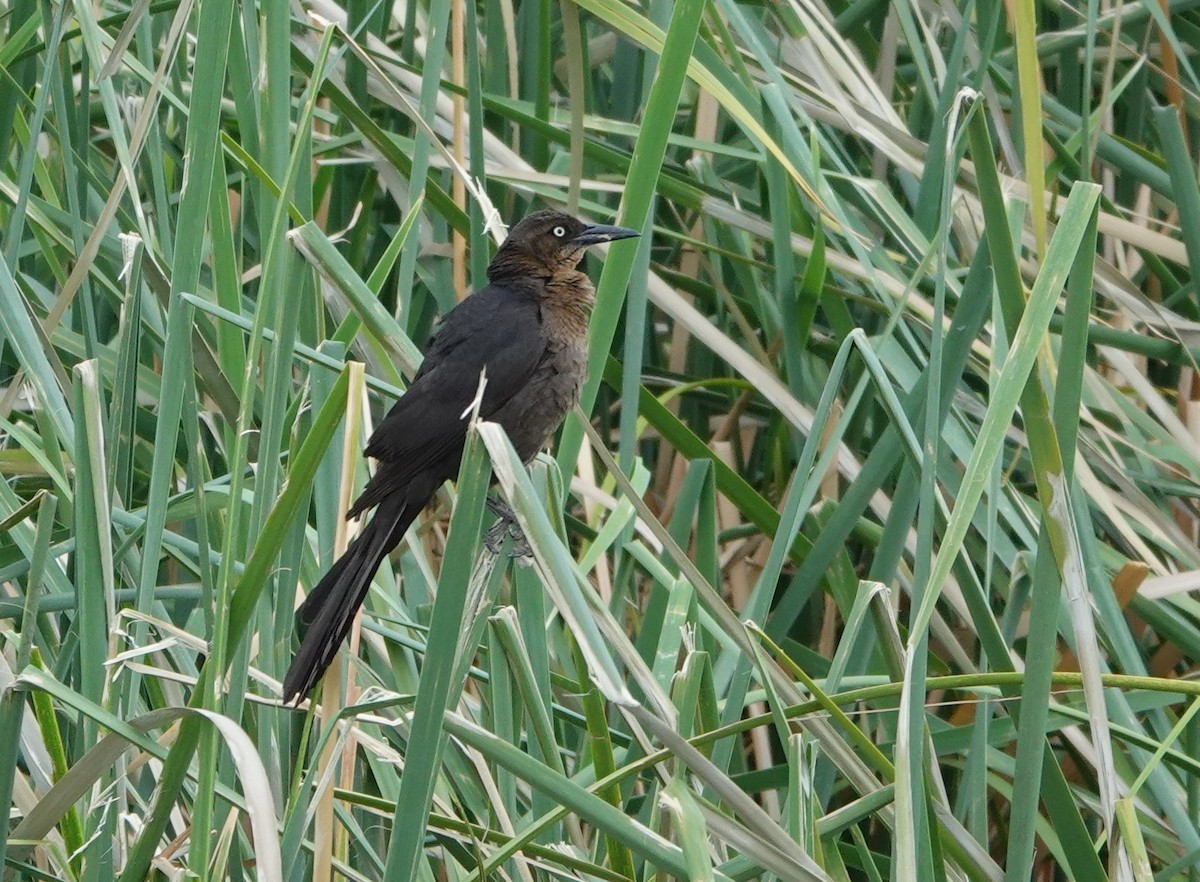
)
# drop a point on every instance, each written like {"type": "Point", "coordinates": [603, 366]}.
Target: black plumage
{"type": "Point", "coordinates": [528, 329]}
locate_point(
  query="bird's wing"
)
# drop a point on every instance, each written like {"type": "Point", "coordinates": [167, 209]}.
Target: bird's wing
{"type": "Point", "coordinates": [496, 329]}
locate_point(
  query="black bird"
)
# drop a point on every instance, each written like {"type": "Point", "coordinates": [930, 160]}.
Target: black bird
{"type": "Point", "coordinates": [528, 329]}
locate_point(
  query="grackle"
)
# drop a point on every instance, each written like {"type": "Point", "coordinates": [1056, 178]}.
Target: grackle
{"type": "Point", "coordinates": [528, 330]}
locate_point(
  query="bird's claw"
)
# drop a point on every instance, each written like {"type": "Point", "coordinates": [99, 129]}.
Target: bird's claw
{"type": "Point", "coordinates": [520, 550]}
{"type": "Point", "coordinates": [493, 537]}
{"type": "Point", "coordinates": [506, 526]}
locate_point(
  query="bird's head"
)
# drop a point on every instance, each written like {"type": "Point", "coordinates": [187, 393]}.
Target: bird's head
{"type": "Point", "coordinates": [549, 242]}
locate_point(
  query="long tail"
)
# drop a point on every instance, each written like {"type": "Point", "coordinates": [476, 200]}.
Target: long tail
{"type": "Point", "coordinates": [325, 616]}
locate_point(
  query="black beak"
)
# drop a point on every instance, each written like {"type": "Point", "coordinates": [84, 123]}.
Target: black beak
{"type": "Point", "coordinates": [595, 233]}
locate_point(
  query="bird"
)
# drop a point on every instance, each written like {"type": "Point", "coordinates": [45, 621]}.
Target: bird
{"type": "Point", "coordinates": [527, 330]}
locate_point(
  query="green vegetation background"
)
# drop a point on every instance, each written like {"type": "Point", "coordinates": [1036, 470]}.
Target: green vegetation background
{"type": "Point", "coordinates": [871, 555]}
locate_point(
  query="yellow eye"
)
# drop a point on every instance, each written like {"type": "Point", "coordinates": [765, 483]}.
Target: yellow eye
{"type": "Point", "coordinates": [560, 231]}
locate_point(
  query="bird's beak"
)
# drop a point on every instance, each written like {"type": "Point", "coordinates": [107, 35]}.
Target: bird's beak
{"type": "Point", "coordinates": [595, 233]}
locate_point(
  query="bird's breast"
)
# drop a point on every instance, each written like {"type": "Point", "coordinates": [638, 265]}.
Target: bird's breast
{"type": "Point", "coordinates": [536, 412]}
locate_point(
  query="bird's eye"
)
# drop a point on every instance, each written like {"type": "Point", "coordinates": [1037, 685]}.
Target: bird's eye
{"type": "Point", "coordinates": [560, 231]}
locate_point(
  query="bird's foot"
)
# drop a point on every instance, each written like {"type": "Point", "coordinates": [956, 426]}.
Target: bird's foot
{"type": "Point", "coordinates": [506, 526]}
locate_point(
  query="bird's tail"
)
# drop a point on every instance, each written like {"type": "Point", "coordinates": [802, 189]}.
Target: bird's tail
{"type": "Point", "coordinates": [325, 616]}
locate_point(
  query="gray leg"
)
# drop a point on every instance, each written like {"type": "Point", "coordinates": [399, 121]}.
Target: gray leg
{"type": "Point", "coordinates": [506, 526]}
